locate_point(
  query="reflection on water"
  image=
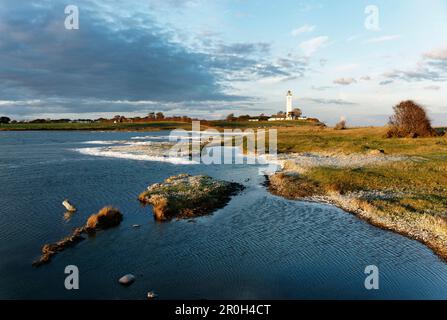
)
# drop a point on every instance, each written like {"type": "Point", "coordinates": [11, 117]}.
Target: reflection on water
{"type": "Point", "coordinates": [68, 215]}
{"type": "Point", "coordinates": [258, 246]}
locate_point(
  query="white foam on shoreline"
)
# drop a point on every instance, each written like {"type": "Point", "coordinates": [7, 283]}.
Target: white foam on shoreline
{"type": "Point", "coordinates": [167, 138]}
{"type": "Point", "coordinates": [189, 135]}
{"type": "Point", "coordinates": [139, 143]}
{"type": "Point", "coordinates": [102, 142]}
{"type": "Point", "coordinates": [150, 138]}
{"type": "Point", "coordinates": [105, 152]}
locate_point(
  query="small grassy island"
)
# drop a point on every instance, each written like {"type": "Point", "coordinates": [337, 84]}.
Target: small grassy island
{"type": "Point", "coordinates": [186, 196]}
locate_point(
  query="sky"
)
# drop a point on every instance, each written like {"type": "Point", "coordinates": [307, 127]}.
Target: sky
{"type": "Point", "coordinates": [350, 58]}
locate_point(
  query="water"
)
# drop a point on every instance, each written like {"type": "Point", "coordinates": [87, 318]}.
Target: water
{"type": "Point", "coordinates": [258, 247]}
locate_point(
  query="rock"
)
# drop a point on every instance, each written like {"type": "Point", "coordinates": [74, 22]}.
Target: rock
{"type": "Point", "coordinates": [151, 295]}
{"type": "Point", "coordinates": [127, 280]}
{"type": "Point", "coordinates": [106, 218]}
{"type": "Point", "coordinates": [68, 215]}
{"type": "Point", "coordinates": [376, 152]}
{"type": "Point", "coordinates": [185, 196]}
{"type": "Point", "coordinates": [68, 206]}
{"type": "Point", "coordinates": [49, 250]}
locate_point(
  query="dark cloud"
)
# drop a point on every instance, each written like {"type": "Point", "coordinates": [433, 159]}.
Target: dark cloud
{"type": "Point", "coordinates": [109, 58]}
{"type": "Point", "coordinates": [118, 55]}
{"type": "Point", "coordinates": [105, 59]}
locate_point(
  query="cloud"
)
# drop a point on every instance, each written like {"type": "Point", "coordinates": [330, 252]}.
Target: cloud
{"type": "Point", "coordinates": [345, 81]}
{"type": "Point", "coordinates": [244, 48]}
{"type": "Point", "coordinates": [346, 67]}
{"type": "Point", "coordinates": [109, 57]}
{"type": "Point", "coordinates": [437, 54]}
{"type": "Point", "coordinates": [420, 74]}
{"type": "Point", "coordinates": [252, 61]}
{"type": "Point", "coordinates": [433, 87]}
{"type": "Point", "coordinates": [19, 102]}
{"type": "Point", "coordinates": [432, 67]}
{"type": "Point", "coordinates": [437, 60]}
{"type": "Point", "coordinates": [304, 29]}
{"type": "Point", "coordinates": [312, 45]}
{"type": "Point", "coordinates": [242, 68]}
{"type": "Point", "coordinates": [120, 61]}
{"type": "Point", "coordinates": [330, 101]}
{"type": "Point", "coordinates": [385, 82]}
{"type": "Point", "coordinates": [323, 62]}
{"type": "Point", "coordinates": [321, 88]}
{"type": "Point", "coordinates": [384, 38]}
{"type": "Point", "coordinates": [365, 78]}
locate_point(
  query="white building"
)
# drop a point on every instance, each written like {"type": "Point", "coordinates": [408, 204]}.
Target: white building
{"type": "Point", "coordinates": [288, 115]}
{"type": "Point", "coordinates": [289, 105]}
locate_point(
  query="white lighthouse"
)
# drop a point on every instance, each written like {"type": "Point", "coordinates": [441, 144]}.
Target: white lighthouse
{"type": "Point", "coordinates": [289, 105]}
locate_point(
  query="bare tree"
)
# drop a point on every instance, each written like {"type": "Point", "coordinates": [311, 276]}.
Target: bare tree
{"type": "Point", "coordinates": [296, 113]}
{"type": "Point", "coordinates": [410, 120]}
{"type": "Point", "coordinates": [159, 116]}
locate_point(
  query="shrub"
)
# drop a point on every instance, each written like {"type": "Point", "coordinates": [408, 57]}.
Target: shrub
{"type": "Point", "coordinates": [107, 217]}
{"type": "Point", "coordinates": [231, 117]}
{"type": "Point", "coordinates": [409, 120]}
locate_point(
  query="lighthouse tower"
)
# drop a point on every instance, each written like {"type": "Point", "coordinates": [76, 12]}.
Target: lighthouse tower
{"type": "Point", "coordinates": [289, 105]}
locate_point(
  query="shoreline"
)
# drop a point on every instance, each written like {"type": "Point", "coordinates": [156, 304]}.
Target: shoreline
{"type": "Point", "coordinates": [364, 210]}
{"type": "Point", "coordinates": [414, 226]}
{"type": "Point", "coordinates": [430, 240]}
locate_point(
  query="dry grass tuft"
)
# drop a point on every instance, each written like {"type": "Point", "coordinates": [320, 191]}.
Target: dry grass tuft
{"type": "Point", "coordinates": [106, 218]}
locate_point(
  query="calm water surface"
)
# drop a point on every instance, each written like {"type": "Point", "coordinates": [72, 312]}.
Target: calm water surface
{"type": "Point", "coordinates": [258, 247]}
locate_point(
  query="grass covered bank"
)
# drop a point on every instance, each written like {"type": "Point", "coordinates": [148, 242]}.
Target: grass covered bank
{"type": "Point", "coordinates": [404, 188]}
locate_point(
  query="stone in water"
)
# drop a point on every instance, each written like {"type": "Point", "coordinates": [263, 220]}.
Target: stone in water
{"type": "Point", "coordinates": [127, 280]}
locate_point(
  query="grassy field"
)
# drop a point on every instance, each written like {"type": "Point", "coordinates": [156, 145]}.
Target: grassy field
{"type": "Point", "coordinates": [156, 125]}
{"type": "Point", "coordinates": [356, 140]}
{"type": "Point", "coordinates": [102, 126]}
{"type": "Point", "coordinates": [262, 124]}
{"type": "Point", "coordinates": [408, 196]}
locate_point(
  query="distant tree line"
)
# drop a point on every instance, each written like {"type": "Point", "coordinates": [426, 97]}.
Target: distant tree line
{"type": "Point", "coordinates": [5, 120]}
{"type": "Point", "coordinates": [409, 120]}
{"type": "Point", "coordinates": [152, 116]}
